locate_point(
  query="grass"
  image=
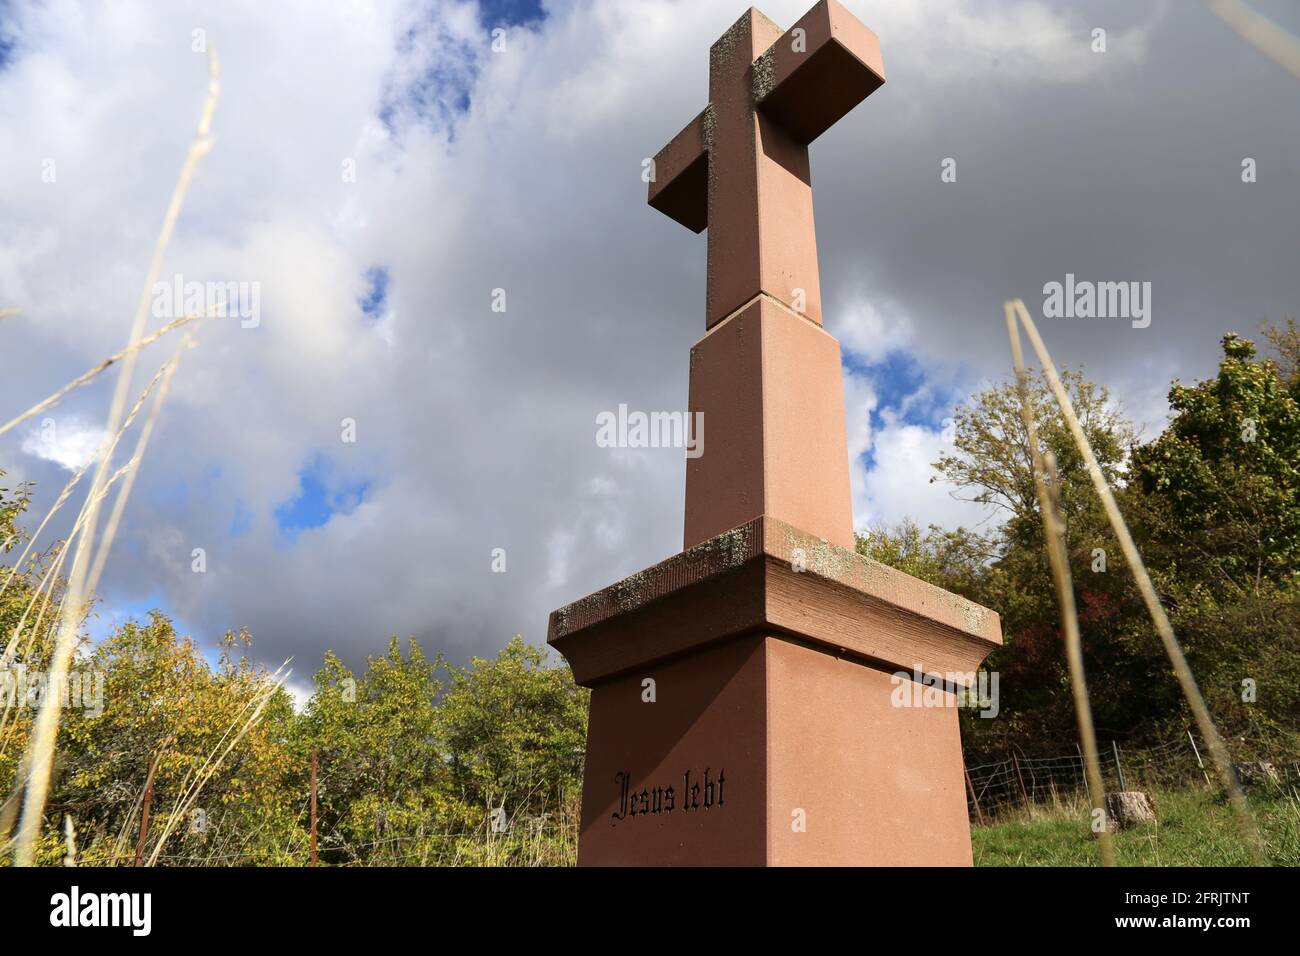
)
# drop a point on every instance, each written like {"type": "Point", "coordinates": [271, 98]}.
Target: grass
{"type": "Point", "coordinates": [65, 629]}
{"type": "Point", "coordinates": [1194, 828]}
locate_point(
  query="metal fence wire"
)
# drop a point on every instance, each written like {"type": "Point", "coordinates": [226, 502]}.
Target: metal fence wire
{"type": "Point", "coordinates": [1022, 780]}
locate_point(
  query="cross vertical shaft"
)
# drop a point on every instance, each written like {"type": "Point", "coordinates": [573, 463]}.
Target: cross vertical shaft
{"type": "Point", "coordinates": [761, 233]}
{"type": "Point", "coordinates": [766, 378]}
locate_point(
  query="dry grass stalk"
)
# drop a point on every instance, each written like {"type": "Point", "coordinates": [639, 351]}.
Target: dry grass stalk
{"type": "Point", "coordinates": [190, 789]}
{"type": "Point", "coordinates": [90, 374]}
{"type": "Point", "coordinates": [45, 728]}
{"type": "Point", "coordinates": [1261, 33]}
{"type": "Point", "coordinates": [69, 841]}
{"type": "Point", "coordinates": [1187, 681]}
{"type": "Point", "coordinates": [106, 448]}
{"type": "Point", "coordinates": [131, 468]}
{"type": "Point", "coordinates": [1058, 558]}
{"type": "Point", "coordinates": [44, 590]}
{"type": "Point", "coordinates": [9, 809]}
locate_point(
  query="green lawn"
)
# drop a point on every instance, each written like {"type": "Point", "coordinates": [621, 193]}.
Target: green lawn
{"type": "Point", "coordinates": [1193, 829]}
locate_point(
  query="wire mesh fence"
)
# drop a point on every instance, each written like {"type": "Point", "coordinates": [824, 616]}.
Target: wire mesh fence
{"type": "Point", "coordinates": [1021, 780]}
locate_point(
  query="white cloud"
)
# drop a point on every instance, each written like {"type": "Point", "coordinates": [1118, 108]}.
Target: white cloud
{"type": "Point", "coordinates": [1028, 40]}
{"type": "Point", "coordinates": [301, 692]}
{"type": "Point", "coordinates": [68, 442]}
{"type": "Point", "coordinates": [869, 331]}
{"type": "Point", "coordinates": [859, 403]}
{"type": "Point", "coordinates": [559, 551]}
{"type": "Point", "coordinates": [900, 484]}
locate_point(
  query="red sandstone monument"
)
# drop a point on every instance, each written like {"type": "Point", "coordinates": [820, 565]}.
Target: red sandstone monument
{"type": "Point", "coordinates": [744, 708]}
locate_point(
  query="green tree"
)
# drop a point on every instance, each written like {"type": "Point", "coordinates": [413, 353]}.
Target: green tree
{"type": "Point", "coordinates": [384, 784]}
{"type": "Point", "coordinates": [162, 704]}
{"type": "Point", "coordinates": [484, 767]}
{"type": "Point", "coordinates": [954, 560]}
{"type": "Point", "coordinates": [26, 639]}
{"type": "Point", "coordinates": [991, 462]}
{"type": "Point", "coordinates": [13, 502]}
{"type": "Point", "coordinates": [1218, 500]}
{"type": "Point", "coordinates": [515, 731]}
{"type": "Point", "coordinates": [1223, 480]}
{"type": "Point", "coordinates": [1285, 340]}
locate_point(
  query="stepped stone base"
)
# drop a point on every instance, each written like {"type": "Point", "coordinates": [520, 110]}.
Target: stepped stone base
{"type": "Point", "coordinates": [746, 708]}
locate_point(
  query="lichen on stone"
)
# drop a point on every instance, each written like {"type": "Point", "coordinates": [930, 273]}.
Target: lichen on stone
{"type": "Point", "coordinates": [764, 75]}
{"type": "Point", "coordinates": [973, 615]}
{"type": "Point", "coordinates": [578, 614]}
{"type": "Point", "coordinates": [719, 554]}
{"type": "Point", "coordinates": [820, 556]}
{"type": "Point", "coordinates": [631, 591]}
{"type": "Point", "coordinates": [721, 52]}
{"type": "Point", "coordinates": [725, 551]}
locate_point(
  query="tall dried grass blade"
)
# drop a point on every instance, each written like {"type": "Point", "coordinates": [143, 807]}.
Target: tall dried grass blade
{"type": "Point", "coordinates": [189, 794]}
{"type": "Point", "coordinates": [1263, 34]}
{"type": "Point", "coordinates": [106, 449]}
{"type": "Point", "coordinates": [1058, 558]}
{"type": "Point", "coordinates": [1146, 587]}
{"type": "Point", "coordinates": [132, 467]}
{"type": "Point", "coordinates": [45, 728]}
{"type": "Point", "coordinates": [89, 375]}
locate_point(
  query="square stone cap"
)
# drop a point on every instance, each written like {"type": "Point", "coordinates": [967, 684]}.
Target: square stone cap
{"type": "Point", "coordinates": [768, 576]}
{"type": "Point", "coordinates": [808, 88]}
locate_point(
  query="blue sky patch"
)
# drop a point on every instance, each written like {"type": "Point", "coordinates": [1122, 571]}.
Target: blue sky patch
{"type": "Point", "coordinates": [320, 497]}
{"type": "Point", "coordinates": [8, 44]}
{"type": "Point", "coordinates": [376, 297]}
{"type": "Point", "coordinates": [509, 13]}
{"type": "Point", "coordinates": [242, 521]}
{"type": "Point", "coordinates": [440, 92]}
{"type": "Point", "coordinates": [109, 615]}
{"type": "Point", "coordinates": [436, 97]}
{"type": "Point", "coordinates": [907, 393]}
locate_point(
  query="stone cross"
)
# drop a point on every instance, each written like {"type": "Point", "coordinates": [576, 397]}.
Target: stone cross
{"type": "Point", "coordinates": [740, 168]}
{"type": "Point", "coordinates": [768, 695]}
{"type": "Point", "coordinates": [766, 381]}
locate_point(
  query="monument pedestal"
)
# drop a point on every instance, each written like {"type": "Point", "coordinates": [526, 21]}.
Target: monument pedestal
{"type": "Point", "coordinates": [745, 707]}
{"type": "Point", "coordinates": [745, 711]}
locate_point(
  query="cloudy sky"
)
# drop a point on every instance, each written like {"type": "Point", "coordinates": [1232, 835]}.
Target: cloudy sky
{"type": "Point", "coordinates": [379, 170]}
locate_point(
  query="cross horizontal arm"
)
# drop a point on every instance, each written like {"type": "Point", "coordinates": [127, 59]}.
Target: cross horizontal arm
{"type": "Point", "coordinates": [679, 187]}
{"type": "Point", "coordinates": [807, 81]}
